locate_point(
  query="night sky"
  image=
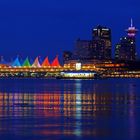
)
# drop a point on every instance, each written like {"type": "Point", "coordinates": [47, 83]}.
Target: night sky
{"type": "Point", "coordinates": [48, 27]}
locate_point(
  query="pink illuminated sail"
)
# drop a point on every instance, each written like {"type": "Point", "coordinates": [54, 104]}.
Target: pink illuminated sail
{"type": "Point", "coordinates": [36, 63]}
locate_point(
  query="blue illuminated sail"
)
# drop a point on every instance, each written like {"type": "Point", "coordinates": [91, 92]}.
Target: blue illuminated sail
{"type": "Point", "coordinates": [16, 63]}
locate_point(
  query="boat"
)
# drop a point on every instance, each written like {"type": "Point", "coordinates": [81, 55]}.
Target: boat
{"type": "Point", "coordinates": [78, 75]}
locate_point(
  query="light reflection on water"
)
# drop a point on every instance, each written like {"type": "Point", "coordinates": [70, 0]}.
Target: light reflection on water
{"type": "Point", "coordinates": [69, 109]}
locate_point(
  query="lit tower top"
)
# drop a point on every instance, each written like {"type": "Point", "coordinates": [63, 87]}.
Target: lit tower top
{"type": "Point", "coordinates": [131, 31]}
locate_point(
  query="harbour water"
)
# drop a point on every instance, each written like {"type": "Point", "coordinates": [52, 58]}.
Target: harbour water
{"type": "Point", "coordinates": [41, 109]}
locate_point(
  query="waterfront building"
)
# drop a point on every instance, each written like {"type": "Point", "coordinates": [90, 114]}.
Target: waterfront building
{"type": "Point", "coordinates": [126, 48]}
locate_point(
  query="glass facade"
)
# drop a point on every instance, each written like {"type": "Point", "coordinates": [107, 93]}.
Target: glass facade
{"type": "Point", "coordinates": [102, 42]}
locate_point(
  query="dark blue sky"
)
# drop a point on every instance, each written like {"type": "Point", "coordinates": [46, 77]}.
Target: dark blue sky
{"type": "Point", "coordinates": [47, 27]}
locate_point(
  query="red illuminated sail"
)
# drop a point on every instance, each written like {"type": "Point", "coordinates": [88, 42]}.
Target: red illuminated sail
{"type": "Point", "coordinates": [55, 62]}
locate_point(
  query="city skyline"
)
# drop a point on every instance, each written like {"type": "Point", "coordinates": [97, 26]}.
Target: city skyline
{"type": "Point", "coordinates": [51, 27]}
{"type": "Point", "coordinates": [112, 55]}
{"type": "Point", "coordinates": [69, 69]}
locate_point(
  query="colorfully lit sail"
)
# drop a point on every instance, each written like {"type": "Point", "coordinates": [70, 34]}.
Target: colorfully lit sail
{"type": "Point", "coordinates": [26, 63]}
{"type": "Point", "coordinates": [46, 62]}
{"type": "Point", "coordinates": [55, 62]}
{"type": "Point", "coordinates": [36, 63]}
{"type": "Point", "coordinates": [16, 63]}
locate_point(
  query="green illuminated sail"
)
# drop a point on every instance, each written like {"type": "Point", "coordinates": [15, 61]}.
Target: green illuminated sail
{"type": "Point", "coordinates": [26, 63]}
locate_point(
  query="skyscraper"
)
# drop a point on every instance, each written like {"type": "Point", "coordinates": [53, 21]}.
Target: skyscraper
{"type": "Point", "coordinates": [126, 48]}
{"type": "Point", "coordinates": [82, 50]}
{"type": "Point", "coordinates": [98, 48]}
{"type": "Point", "coordinates": [102, 40]}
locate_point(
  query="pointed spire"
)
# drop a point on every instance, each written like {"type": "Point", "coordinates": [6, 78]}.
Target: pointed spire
{"type": "Point", "coordinates": [36, 63]}
{"type": "Point", "coordinates": [46, 62]}
{"type": "Point", "coordinates": [131, 22]}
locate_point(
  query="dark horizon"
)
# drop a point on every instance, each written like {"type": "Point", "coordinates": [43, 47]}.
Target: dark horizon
{"type": "Point", "coordinates": [47, 28]}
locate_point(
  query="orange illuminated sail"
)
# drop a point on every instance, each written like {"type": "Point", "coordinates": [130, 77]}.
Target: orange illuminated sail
{"type": "Point", "coordinates": [46, 62]}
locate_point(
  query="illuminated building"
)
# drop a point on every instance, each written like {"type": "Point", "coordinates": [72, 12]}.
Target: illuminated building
{"type": "Point", "coordinates": [89, 56]}
{"type": "Point", "coordinates": [126, 48]}
{"type": "Point", "coordinates": [99, 47]}
{"type": "Point", "coordinates": [101, 42]}
{"type": "Point", "coordinates": [83, 50]}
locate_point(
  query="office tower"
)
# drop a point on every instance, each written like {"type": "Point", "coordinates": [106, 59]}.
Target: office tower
{"type": "Point", "coordinates": [82, 50]}
{"type": "Point", "coordinates": [101, 37]}
{"type": "Point", "coordinates": [125, 49]}
{"type": "Point", "coordinates": [98, 48]}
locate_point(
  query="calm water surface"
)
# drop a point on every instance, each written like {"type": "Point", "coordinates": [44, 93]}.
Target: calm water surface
{"type": "Point", "coordinates": [39, 109]}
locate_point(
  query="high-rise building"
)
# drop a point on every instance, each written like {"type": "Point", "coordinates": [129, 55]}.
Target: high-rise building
{"type": "Point", "coordinates": [83, 49]}
{"type": "Point", "coordinates": [126, 48]}
{"type": "Point", "coordinates": [102, 42]}
{"type": "Point", "coordinates": [98, 48]}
